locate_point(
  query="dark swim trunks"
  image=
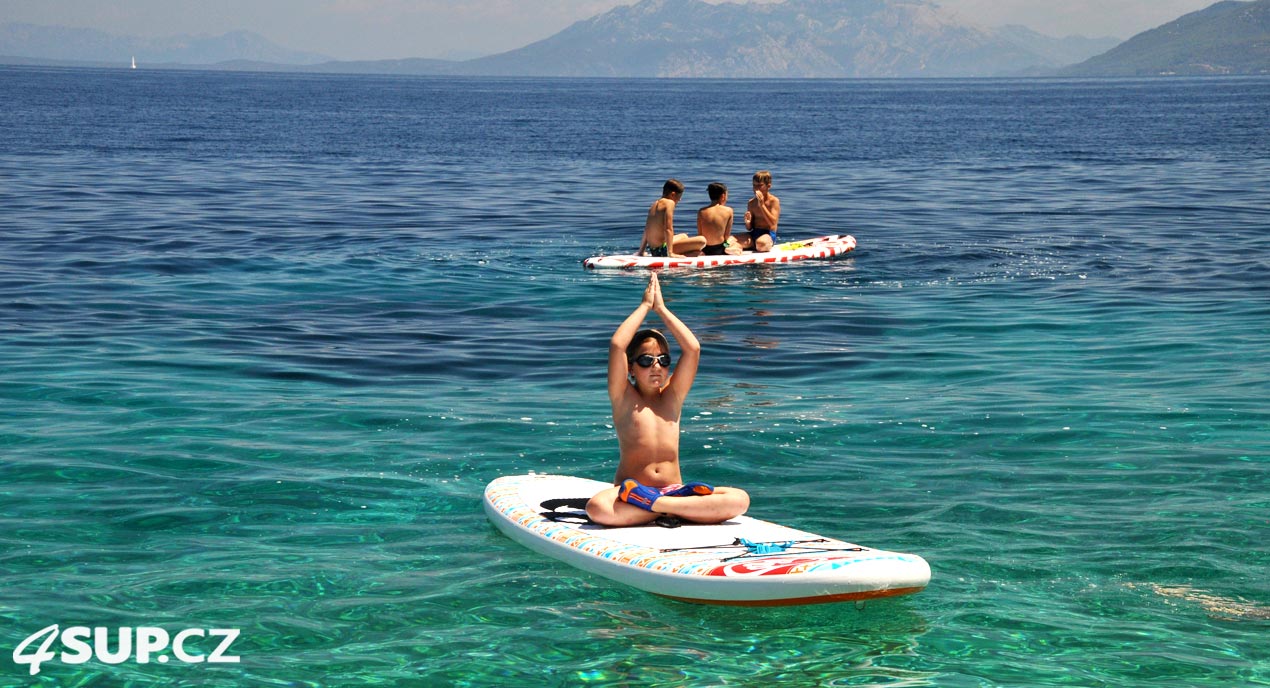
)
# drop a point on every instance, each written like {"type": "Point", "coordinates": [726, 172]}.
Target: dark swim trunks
{"type": "Point", "coordinates": [715, 250]}
{"type": "Point", "coordinates": [658, 251]}
{"type": "Point", "coordinates": [755, 233]}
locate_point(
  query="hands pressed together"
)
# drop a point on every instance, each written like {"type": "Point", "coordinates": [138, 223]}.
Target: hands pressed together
{"type": "Point", "coordinates": [652, 294]}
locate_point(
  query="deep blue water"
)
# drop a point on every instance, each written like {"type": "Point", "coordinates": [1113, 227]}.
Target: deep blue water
{"type": "Point", "coordinates": [265, 339]}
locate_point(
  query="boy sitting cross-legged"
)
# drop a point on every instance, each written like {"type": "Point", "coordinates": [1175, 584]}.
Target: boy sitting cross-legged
{"type": "Point", "coordinates": [647, 402]}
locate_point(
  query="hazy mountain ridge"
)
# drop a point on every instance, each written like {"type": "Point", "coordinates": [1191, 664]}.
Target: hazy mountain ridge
{"type": "Point", "coordinates": [691, 38]}
{"type": "Point", "coordinates": [65, 44]}
{"type": "Point", "coordinates": [1226, 38]}
{"type": "Point", "coordinates": [1059, 51]}
{"type": "Point", "coordinates": [652, 38]}
{"type": "Point", "coordinates": [813, 38]}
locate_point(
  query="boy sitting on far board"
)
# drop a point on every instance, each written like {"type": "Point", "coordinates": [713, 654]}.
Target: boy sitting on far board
{"type": "Point", "coordinates": [714, 223]}
{"type": "Point", "coordinates": [647, 403]}
{"type": "Point", "coordinates": [762, 214]}
{"type": "Point", "coordinates": [660, 239]}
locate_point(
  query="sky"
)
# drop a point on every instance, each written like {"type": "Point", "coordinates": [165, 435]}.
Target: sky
{"type": "Point", "coordinates": [458, 29]}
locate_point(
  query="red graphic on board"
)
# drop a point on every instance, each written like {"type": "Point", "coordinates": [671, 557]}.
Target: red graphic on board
{"type": "Point", "coordinates": [777, 566]}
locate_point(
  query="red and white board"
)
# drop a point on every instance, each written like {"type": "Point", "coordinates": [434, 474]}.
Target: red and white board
{"type": "Point", "coordinates": [819, 248]}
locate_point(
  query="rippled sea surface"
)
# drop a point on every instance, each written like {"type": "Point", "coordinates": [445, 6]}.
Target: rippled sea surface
{"type": "Point", "coordinates": [264, 339]}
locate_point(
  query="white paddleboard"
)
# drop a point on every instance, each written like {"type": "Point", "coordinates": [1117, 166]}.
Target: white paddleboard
{"type": "Point", "coordinates": [697, 563]}
{"type": "Point", "coordinates": [818, 248]}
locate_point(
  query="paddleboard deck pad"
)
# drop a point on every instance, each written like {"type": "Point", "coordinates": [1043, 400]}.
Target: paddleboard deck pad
{"type": "Point", "coordinates": [819, 248]}
{"type": "Point", "coordinates": [743, 561]}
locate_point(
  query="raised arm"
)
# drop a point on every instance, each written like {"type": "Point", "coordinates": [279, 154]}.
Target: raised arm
{"type": "Point", "coordinates": [689, 348]}
{"type": "Point", "coordinates": [619, 368]}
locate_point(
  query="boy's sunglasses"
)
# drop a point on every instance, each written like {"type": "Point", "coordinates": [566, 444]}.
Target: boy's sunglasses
{"type": "Point", "coordinates": [647, 360]}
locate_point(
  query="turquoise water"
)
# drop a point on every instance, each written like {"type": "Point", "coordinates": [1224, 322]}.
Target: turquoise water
{"type": "Point", "coordinates": [266, 338]}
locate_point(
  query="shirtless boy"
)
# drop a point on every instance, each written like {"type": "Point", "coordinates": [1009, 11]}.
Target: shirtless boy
{"type": "Point", "coordinates": [659, 229]}
{"type": "Point", "coordinates": [714, 222]}
{"type": "Point", "coordinates": [762, 214]}
{"type": "Point", "coordinates": [647, 403]}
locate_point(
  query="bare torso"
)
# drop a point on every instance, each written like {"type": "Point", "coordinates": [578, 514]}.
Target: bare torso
{"type": "Point", "coordinates": [764, 214]}
{"type": "Point", "coordinates": [659, 227]}
{"type": "Point", "coordinates": [648, 439]}
{"type": "Point", "coordinates": [714, 223]}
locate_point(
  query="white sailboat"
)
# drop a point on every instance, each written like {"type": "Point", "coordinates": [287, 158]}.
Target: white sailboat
{"type": "Point", "coordinates": [134, 61]}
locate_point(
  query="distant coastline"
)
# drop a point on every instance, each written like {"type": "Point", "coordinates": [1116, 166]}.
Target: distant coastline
{"type": "Point", "coordinates": [322, 70]}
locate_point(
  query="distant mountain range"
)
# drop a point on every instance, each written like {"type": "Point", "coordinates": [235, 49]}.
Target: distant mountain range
{"type": "Point", "coordinates": [63, 44]}
{"type": "Point", "coordinates": [1226, 38]}
{"type": "Point", "coordinates": [808, 38]}
{"type": "Point", "coordinates": [692, 38]}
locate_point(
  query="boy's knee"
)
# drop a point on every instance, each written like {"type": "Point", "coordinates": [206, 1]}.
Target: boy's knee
{"type": "Point", "coordinates": [594, 509]}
